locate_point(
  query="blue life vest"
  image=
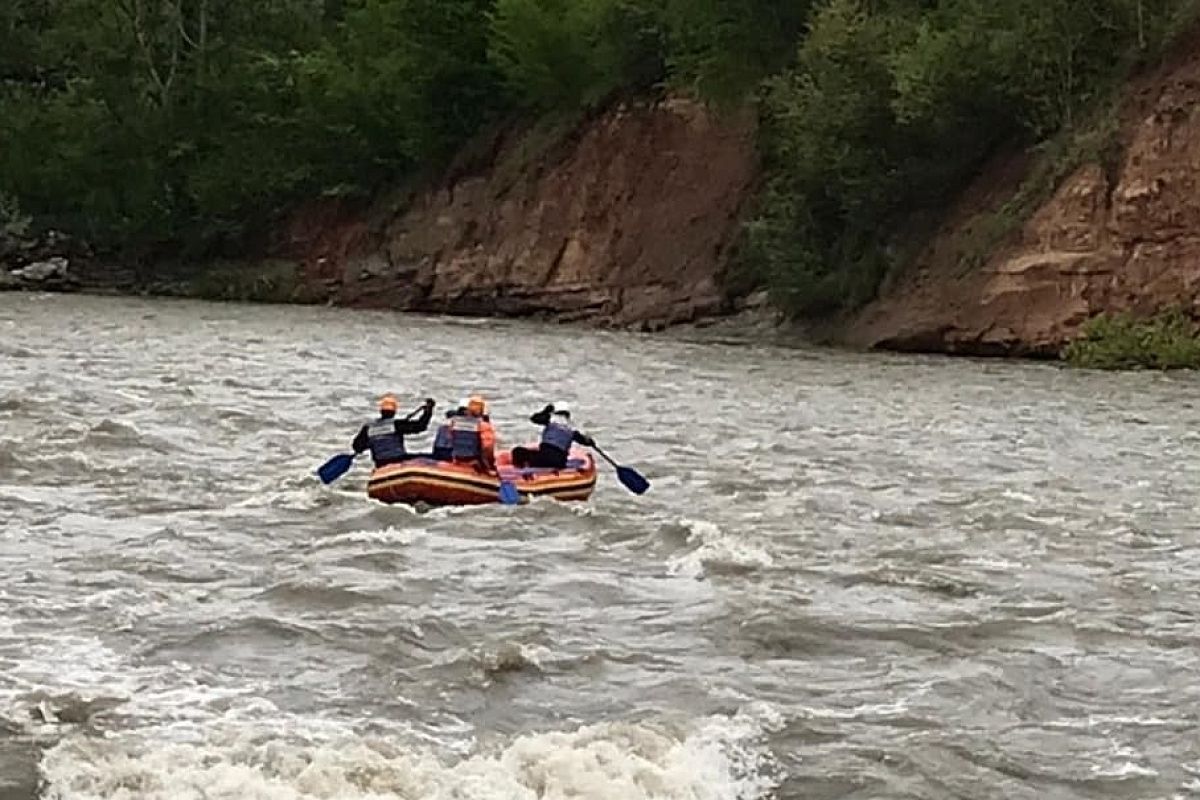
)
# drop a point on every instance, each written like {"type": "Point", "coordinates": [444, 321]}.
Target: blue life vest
{"type": "Point", "coordinates": [443, 440]}
{"type": "Point", "coordinates": [385, 443]}
{"type": "Point", "coordinates": [559, 435]}
{"type": "Point", "coordinates": [464, 438]}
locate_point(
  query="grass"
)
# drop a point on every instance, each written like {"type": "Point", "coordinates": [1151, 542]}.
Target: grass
{"type": "Point", "coordinates": [1121, 342]}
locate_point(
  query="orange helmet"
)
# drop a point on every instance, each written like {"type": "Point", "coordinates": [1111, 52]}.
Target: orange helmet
{"type": "Point", "coordinates": [388, 403]}
{"type": "Point", "coordinates": [477, 406]}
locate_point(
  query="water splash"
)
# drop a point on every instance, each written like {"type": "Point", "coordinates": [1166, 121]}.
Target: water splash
{"type": "Point", "coordinates": [715, 551]}
{"type": "Point", "coordinates": [721, 758]}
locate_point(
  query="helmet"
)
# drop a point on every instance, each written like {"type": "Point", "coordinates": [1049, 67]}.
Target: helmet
{"type": "Point", "coordinates": [388, 403]}
{"type": "Point", "coordinates": [562, 408]}
{"type": "Point", "coordinates": [476, 405]}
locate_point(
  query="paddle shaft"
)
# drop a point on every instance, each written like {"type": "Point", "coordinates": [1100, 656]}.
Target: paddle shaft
{"type": "Point", "coordinates": [629, 477]}
{"type": "Point", "coordinates": [604, 455]}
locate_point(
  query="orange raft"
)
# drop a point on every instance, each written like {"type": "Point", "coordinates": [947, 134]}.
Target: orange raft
{"type": "Point", "coordinates": [440, 483]}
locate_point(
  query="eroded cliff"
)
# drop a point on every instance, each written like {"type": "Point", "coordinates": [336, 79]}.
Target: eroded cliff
{"type": "Point", "coordinates": [1119, 234]}
{"type": "Point", "coordinates": [629, 221]}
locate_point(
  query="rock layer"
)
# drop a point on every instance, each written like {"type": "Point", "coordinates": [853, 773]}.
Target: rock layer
{"type": "Point", "coordinates": [628, 222]}
{"type": "Point", "coordinates": [1126, 238]}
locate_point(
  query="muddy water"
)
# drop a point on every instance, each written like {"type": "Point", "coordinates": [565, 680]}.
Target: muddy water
{"type": "Point", "coordinates": [855, 576]}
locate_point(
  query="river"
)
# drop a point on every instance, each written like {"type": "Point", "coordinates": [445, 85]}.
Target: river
{"type": "Point", "coordinates": [856, 576]}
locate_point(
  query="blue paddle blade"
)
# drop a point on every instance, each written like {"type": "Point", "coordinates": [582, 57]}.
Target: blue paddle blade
{"type": "Point", "coordinates": [509, 495]}
{"type": "Point", "coordinates": [335, 468]}
{"type": "Point", "coordinates": [633, 480]}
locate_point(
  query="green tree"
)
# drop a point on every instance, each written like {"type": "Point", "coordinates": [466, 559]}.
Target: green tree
{"type": "Point", "coordinates": [832, 151]}
{"type": "Point", "coordinates": [564, 54]}
{"type": "Point", "coordinates": [721, 49]}
{"type": "Point", "coordinates": [891, 107]}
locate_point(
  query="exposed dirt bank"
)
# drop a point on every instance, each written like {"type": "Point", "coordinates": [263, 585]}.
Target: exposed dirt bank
{"type": "Point", "coordinates": [628, 222]}
{"type": "Point", "coordinates": [1122, 233]}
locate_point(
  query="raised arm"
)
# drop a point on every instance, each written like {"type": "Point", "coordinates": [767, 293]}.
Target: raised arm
{"type": "Point", "coordinates": [418, 425]}
{"type": "Point", "coordinates": [542, 417]}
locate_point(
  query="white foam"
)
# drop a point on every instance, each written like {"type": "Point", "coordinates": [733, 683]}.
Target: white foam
{"type": "Point", "coordinates": [715, 548]}
{"type": "Point", "coordinates": [513, 656]}
{"type": "Point", "coordinates": [1115, 720]}
{"type": "Point", "coordinates": [720, 758]}
{"type": "Point", "coordinates": [865, 711]}
{"type": "Point", "coordinates": [171, 697]}
{"type": "Point", "coordinates": [1123, 765]}
{"type": "Point", "coordinates": [1123, 770]}
{"type": "Point", "coordinates": [387, 536]}
{"type": "Point", "coordinates": [67, 664]}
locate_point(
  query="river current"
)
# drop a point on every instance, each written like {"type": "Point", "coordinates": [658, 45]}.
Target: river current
{"type": "Point", "coordinates": [855, 576]}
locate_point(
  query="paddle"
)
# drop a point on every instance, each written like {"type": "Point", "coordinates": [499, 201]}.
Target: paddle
{"type": "Point", "coordinates": [633, 480]}
{"type": "Point", "coordinates": [337, 466]}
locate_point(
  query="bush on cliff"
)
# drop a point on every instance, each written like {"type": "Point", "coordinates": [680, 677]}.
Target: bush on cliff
{"type": "Point", "coordinates": [722, 49]}
{"type": "Point", "coordinates": [563, 55]}
{"type": "Point", "coordinates": [891, 107]}
{"type": "Point", "coordinates": [559, 55]}
{"type": "Point", "coordinates": [1122, 341]}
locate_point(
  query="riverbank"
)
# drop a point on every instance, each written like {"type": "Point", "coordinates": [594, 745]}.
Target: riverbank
{"type": "Point", "coordinates": [627, 220]}
{"type": "Point", "coordinates": [631, 218]}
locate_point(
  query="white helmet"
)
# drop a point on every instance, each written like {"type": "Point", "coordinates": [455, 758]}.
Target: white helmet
{"type": "Point", "coordinates": [562, 408]}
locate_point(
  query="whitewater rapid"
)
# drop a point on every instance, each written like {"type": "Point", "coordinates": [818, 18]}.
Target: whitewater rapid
{"type": "Point", "coordinates": [855, 576]}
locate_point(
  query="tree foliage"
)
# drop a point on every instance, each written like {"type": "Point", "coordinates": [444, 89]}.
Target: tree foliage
{"type": "Point", "coordinates": [181, 126]}
{"type": "Point", "coordinates": [890, 107]}
{"type": "Point", "coordinates": [564, 54]}
{"type": "Point", "coordinates": [152, 124]}
{"type": "Point", "coordinates": [721, 49]}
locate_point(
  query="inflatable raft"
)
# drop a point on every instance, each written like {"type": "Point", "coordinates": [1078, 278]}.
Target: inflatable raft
{"type": "Point", "coordinates": [440, 483]}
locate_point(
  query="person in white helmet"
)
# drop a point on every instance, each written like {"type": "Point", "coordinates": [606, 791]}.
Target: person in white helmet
{"type": "Point", "coordinates": [558, 433]}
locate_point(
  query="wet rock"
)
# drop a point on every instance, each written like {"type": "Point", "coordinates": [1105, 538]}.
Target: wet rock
{"type": "Point", "coordinates": [52, 274]}
{"type": "Point", "coordinates": [54, 269]}
{"type": "Point", "coordinates": [68, 709]}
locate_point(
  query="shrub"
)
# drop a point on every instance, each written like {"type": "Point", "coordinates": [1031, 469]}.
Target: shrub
{"type": "Point", "coordinates": [1168, 340]}
{"type": "Point", "coordinates": [722, 49]}
{"type": "Point", "coordinates": [565, 54]}
{"type": "Point", "coordinates": [14, 224]}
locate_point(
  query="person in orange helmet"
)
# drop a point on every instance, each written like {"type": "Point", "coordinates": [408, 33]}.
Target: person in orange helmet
{"type": "Point", "coordinates": [385, 436]}
{"type": "Point", "coordinates": [472, 437]}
